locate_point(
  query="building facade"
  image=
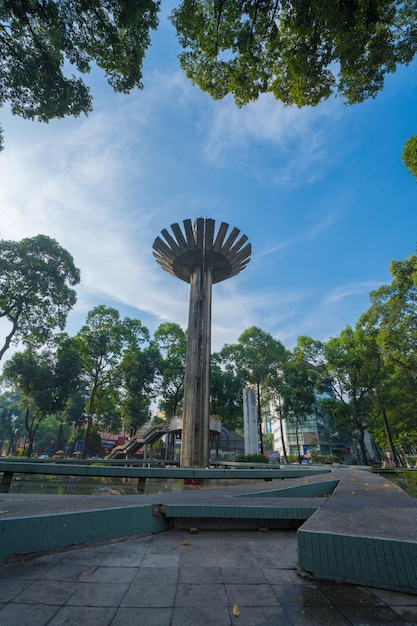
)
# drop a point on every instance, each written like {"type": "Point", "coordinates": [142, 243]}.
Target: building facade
{"type": "Point", "coordinates": [315, 434]}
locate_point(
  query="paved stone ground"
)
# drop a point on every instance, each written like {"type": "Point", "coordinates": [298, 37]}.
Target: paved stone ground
{"type": "Point", "coordinates": [180, 579]}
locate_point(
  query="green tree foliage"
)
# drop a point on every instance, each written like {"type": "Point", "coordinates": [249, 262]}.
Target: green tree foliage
{"type": "Point", "coordinates": [36, 294]}
{"type": "Point", "coordinates": [393, 312]}
{"type": "Point", "coordinates": [255, 358]}
{"type": "Point", "coordinates": [393, 317]}
{"type": "Point", "coordinates": [226, 393]}
{"type": "Point", "coordinates": [301, 51]}
{"type": "Point", "coordinates": [297, 392]}
{"type": "Point", "coordinates": [46, 380]}
{"type": "Point", "coordinates": [11, 417]}
{"type": "Point", "coordinates": [354, 367]}
{"type": "Point", "coordinates": [409, 155]}
{"type": "Point", "coordinates": [171, 342]}
{"type": "Point", "coordinates": [102, 342]}
{"type": "Point", "coordinates": [52, 433]}
{"type": "Point", "coordinates": [41, 39]}
{"type": "Point", "coordinates": [137, 372]}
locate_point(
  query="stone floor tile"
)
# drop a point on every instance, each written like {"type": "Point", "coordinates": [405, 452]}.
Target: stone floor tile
{"type": "Point", "coordinates": [409, 613]}
{"type": "Point", "coordinates": [394, 597]}
{"type": "Point", "coordinates": [316, 616]}
{"type": "Point", "coordinates": [201, 556]}
{"type": "Point", "coordinates": [67, 571]}
{"type": "Point", "coordinates": [149, 595]}
{"type": "Point", "coordinates": [47, 592]}
{"type": "Point", "coordinates": [80, 615]}
{"type": "Point", "coordinates": [349, 595]}
{"type": "Point", "coordinates": [123, 559]}
{"type": "Point", "coordinates": [162, 575]}
{"type": "Point", "coordinates": [240, 575]}
{"type": "Point", "coordinates": [29, 570]}
{"type": "Point", "coordinates": [142, 617]}
{"type": "Point", "coordinates": [15, 614]}
{"type": "Point", "coordinates": [9, 589]}
{"type": "Point", "coordinates": [108, 574]}
{"type": "Point", "coordinates": [202, 596]}
{"type": "Point", "coordinates": [201, 616]}
{"type": "Point", "coordinates": [160, 560]}
{"type": "Point", "coordinates": [372, 616]}
{"type": "Point", "coordinates": [251, 595]}
{"type": "Point", "coordinates": [284, 577]}
{"type": "Point", "coordinates": [89, 556]}
{"type": "Point", "coordinates": [261, 616]}
{"type": "Point", "coordinates": [297, 595]}
{"type": "Point", "coordinates": [280, 561]}
{"type": "Point", "coordinates": [238, 559]}
{"type": "Point", "coordinates": [98, 594]}
{"type": "Point", "coordinates": [200, 575]}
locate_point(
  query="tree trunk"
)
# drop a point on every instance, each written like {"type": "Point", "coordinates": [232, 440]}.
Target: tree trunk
{"type": "Point", "coordinates": [284, 447]}
{"type": "Point", "coordinates": [89, 422]}
{"type": "Point", "coordinates": [298, 442]}
{"type": "Point", "coordinates": [394, 455]}
{"type": "Point", "coordinates": [59, 442]}
{"type": "Point", "coordinates": [361, 440]}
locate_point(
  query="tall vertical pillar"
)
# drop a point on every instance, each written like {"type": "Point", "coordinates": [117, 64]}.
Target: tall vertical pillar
{"type": "Point", "coordinates": [200, 259]}
{"type": "Point", "coordinates": [250, 421]}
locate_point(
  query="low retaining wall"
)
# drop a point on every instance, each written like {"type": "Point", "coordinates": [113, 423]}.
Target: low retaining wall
{"type": "Point", "coordinates": [365, 534]}
{"type": "Point", "coordinates": [29, 535]}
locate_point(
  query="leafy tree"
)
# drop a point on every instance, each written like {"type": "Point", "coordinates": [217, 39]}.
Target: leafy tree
{"type": "Point", "coordinates": [355, 367]}
{"type": "Point", "coordinates": [41, 39]}
{"type": "Point", "coordinates": [171, 341]}
{"type": "Point", "coordinates": [137, 372]}
{"type": "Point", "coordinates": [392, 316]}
{"type": "Point", "coordinates": [409, 155]}
{"type": "Point", "coordinates": [301, 51]}
{"type": "Point", "coordinates": [255, 358]}
{"type": "Point", "coordinates": [11, 417]}
{"type": "Point", "coordinates": [74, 410]}
{"type": "Point", "coordinates": [226, 394]}
{"type": "Point", "coordinates": [52, 433]}
{"type": "Point", "coordinates": [102, 342]}
{"type": "Point", "coordinates": [36, 295]}
{"type": "Point", "coordinates": [393, 312]}
{"type": "Point", "coordinates": [297, 390]}
{"type": "Point", "coordinates": [46, 380]}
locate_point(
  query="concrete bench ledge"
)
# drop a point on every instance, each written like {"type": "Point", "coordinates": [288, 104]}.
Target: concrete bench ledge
{"type": "Point", "coordinates": [365, 534]}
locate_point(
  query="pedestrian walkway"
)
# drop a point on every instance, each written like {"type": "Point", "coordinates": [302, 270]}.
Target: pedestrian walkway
{"type": "Point", "coordinates": [178, 578]}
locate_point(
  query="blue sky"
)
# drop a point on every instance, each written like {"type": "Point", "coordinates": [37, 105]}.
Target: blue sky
{"type": "Point", "coordinates": [321, 193]}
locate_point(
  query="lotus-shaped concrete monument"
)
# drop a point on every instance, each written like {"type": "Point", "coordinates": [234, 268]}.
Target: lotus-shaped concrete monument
{"type": "Point", "coordinates": [201, 257]}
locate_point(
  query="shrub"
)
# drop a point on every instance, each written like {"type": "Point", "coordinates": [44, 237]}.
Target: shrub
{"type": "Point", "coordinates": [252, 458]}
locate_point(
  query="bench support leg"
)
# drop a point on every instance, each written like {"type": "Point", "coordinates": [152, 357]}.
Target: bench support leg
{"type": "Point", "coordinates": [6, 481]}
{"type": "Point", "coordinates": [141, 484]}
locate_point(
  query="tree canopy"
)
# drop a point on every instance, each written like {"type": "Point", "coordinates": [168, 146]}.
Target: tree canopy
{"type": "Point", "coordinates": [301, 51]}
{"type": "Point", "coordinates": [409, 155]}
{"type": "Point", "coordinates": [36, 294]}
{"type": "Point", "coordinates": [46, 380]}
{"type": "Point", "coordinates": [41, 39]}
{"type": "Point", "coordinates": [255, 359]}
{"type": "Point", "coordinates": [102, 343]}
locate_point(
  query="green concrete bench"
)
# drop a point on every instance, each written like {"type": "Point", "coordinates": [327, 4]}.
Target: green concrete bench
{"type": "Point", "coordinates": [9, 468]}
{"type": "Point", "coordinates": [365, 534]}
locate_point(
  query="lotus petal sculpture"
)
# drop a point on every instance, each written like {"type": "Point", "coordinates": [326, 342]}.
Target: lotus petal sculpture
{"type": "Point", "coordinates": [201, 258]}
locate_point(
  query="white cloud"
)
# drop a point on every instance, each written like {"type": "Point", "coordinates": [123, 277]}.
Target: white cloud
{"type": "Point", "coordinates": [298, 136]}
{"type": "Point", "coordinates": [351, 290]}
